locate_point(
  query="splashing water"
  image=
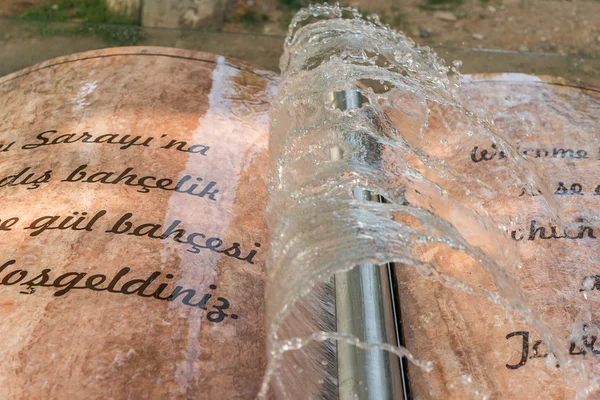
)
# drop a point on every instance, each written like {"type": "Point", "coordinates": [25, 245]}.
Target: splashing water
{"type": "Point", "coordinates": [416, 123]}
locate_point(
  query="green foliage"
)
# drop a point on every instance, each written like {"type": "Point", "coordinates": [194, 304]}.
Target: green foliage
{"type": "Point", "coordinates": [95, 19]}
{"type": "Point", "coordinates": [291, 5]}
{"type": "Point", "coordinates": [253, 20]}
{"type": "Point", "coordinates": [93, 11]}
{"type": "Point", "coordinates": [440, 4]}
{"type": "Point", "coordinates": [119, 35]}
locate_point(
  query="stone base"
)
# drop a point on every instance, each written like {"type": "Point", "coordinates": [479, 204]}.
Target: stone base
{"type": "Point", "coordinates": [124, 7]}
{"type": "Point", "coordinates": [184, 13]}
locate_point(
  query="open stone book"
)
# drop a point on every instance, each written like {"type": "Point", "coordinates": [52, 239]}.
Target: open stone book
{"type": "Point", "coordinates": [179, 225]}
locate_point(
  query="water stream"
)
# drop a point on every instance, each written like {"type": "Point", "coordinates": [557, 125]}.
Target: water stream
{"type": "Point", "coordinates": [418, 127]}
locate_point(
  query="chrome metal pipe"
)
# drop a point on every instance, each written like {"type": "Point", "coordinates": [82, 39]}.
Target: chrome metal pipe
{"type": "Point", "coordinates": [365, 303]}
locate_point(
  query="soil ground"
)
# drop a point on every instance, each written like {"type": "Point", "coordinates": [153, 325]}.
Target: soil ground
{"type": "Point", "coordinates": [546, 26]}
{"type": "Point", "coordinates": [461, 27]}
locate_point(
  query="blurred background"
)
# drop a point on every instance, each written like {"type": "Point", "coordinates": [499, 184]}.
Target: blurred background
{"type": "Point", "coordinates": [548, 37]}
